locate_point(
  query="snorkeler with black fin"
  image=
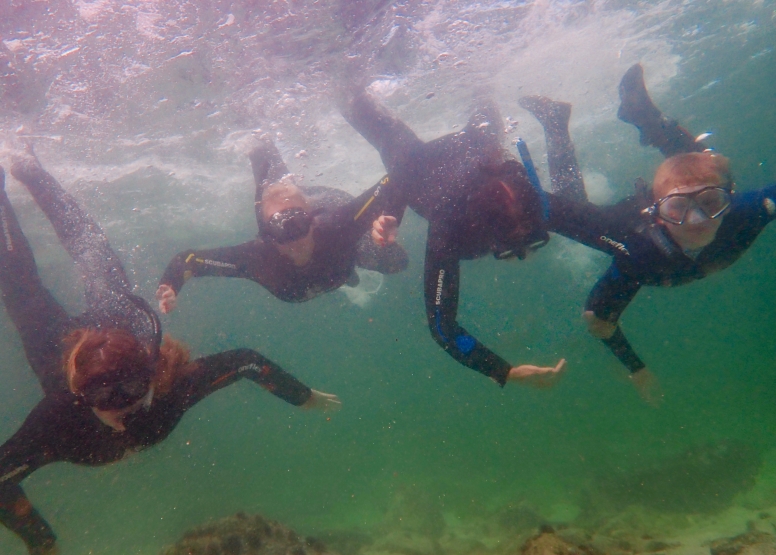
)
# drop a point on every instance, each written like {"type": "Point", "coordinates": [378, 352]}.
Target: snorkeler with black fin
{"type": "Point", "coordinates": [655, 129]}
{"type": "Point", "coordinates": [693, 223]}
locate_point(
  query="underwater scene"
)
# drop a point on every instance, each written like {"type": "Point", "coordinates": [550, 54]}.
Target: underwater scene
{"type": "Point", "coordinates": [146, 111]}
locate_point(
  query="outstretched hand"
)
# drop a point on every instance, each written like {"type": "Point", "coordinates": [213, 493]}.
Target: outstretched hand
{"type": "Point", "coordinates": [324, 402]}
{"type": "Point", "coordinates": [167, 298]}
{"type": "Point", "coordinates": [540, 377]}
{"type": "Point", "coordinates": [648, 386]}
{"type": "Point", "coordinates": [384, 230]}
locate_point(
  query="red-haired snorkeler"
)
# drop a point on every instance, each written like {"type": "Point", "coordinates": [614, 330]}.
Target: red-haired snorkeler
{"type": "Point", "coordinates": [111, 385]}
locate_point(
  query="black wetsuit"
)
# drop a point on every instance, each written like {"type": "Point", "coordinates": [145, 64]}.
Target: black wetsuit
{"type": "Point", "coordinates": [438, 180]}
{"type": "Point", "coordinates": [645, 254]}
{"type": "Point", "coordinates": [341, 229]}
{"type": "Point", "coordinates": [60, 427]}
{"type": "Point", "coordinates": [643, 251]}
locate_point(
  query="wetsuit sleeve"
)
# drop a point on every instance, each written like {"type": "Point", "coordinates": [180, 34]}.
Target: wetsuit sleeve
{"type": "Point", "coordinates": [20, 456]}
{"type": "Point", "coordinates": [220, 262]}
{"type": "Point", "coordinates": [584, 222]}
{"type": "Point", "coordinates": [441, 294]}
{"type": "Point", "coordinates": [608, 300]}
{"type": "Point", "coordinates": [214, 372]}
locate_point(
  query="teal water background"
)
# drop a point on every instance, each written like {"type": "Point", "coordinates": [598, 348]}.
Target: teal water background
{"type": "Point", "coordinates": [415, 425]}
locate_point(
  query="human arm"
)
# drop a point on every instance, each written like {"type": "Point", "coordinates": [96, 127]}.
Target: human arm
{"type": "Point", "coordinates": [221, 262]}
{"type": "Point", "coordinates": [217, 371]}
{"type": "Point", "coordinates": [603, 228]}
{"type": "Point", "coordinates": [20, 456]}
{"type": "Point", "coordinates": [608, 299]}
{"type": "Point", "coordinates": [442, 273]}
{"type": "Point", "coordinates": [606, 302]}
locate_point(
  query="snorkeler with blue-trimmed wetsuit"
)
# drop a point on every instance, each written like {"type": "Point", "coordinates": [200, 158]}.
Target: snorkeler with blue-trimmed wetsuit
{"type": "Point", "coordinates": [476, 202]}
{"type": "Point", "coordinates": [689, 224]}
{"type": "Point", "coordinates": [111, 386]}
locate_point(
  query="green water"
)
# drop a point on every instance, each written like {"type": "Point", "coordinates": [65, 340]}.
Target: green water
{"type": "Point", "coordinates": [420, 437]}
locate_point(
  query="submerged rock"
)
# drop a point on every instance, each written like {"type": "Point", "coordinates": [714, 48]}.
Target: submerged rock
{"type": "Point", "coordinates": [243, 534]}
{"type": "Point", "coordinates": [703, 479]}
{"type": "Point", "coordinates": [547, 542]}
{"type": "Point", "coordinates": [751, 543]}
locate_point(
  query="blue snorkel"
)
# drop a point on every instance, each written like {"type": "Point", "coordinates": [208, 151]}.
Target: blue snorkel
{"type": "Point", "coordinates": [522, 148]}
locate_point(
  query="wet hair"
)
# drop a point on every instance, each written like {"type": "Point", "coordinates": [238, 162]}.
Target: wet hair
{"type": "Point", "coordinates": [173, 362]}
{"type": "Point", "coordinates": [508, 204]}
{"type": "Point", "coordinates": [94, 356]}
{"type": "Point", "coordinates": [690, 170]}
{"type": "Point", "coordinates": [282, 194]}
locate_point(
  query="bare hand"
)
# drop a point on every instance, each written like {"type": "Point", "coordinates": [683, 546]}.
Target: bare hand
{"type": "Point", "coordinates": [541, 377]}
{"type": "Point", "coordinates": [167, 298]}
{"type": "Point", "coordinates": [648, 386]}
{"type": "Point", "coordinates": [601, 329]}
{"type": "Point", "coordinates": [384, 230]}
{"type": "Point", "coordinates": [324, 402]}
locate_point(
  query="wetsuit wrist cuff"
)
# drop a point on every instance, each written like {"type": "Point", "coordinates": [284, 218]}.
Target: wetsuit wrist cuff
{"type": "Point", "coordinates": [622, 349]}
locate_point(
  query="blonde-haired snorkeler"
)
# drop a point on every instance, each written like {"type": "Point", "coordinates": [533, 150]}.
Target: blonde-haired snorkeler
{"type": "Point", "coordinates": [688, 224]}
{"type": "Point", "coordinates": [310, 239]}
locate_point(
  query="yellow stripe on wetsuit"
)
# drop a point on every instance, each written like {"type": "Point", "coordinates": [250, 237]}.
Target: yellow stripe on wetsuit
{"type": "Point", "coordinates": [383, 181]}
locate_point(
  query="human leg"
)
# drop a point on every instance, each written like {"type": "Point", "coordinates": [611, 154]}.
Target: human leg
{"type": "Point", "coordinates": [35, 313]}
{"type": "Point", "coordinates": [561, 158]}
{"type": "Point", "coordinates": [392, 138]}
{"type": "Point", "coordinates": [79, 234]}
{"type": "Point", "coordinates": [655, 129]}
{"type": "Point", "coordinates": [268, 167]}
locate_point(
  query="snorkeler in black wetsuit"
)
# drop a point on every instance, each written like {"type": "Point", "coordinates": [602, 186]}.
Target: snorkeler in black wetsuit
{"type": "Point", "coordinates": [690, 225]}
{"type": "Point", "coordinates": [327, 226]}
{"type": "Point", "coordinates": [476, 203]}
{"type": "Point", "coordinates": [118, 390]}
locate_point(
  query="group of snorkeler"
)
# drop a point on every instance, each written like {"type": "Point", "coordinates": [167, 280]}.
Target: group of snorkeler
{"type": "Point", "coordinates": [113, 384]}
